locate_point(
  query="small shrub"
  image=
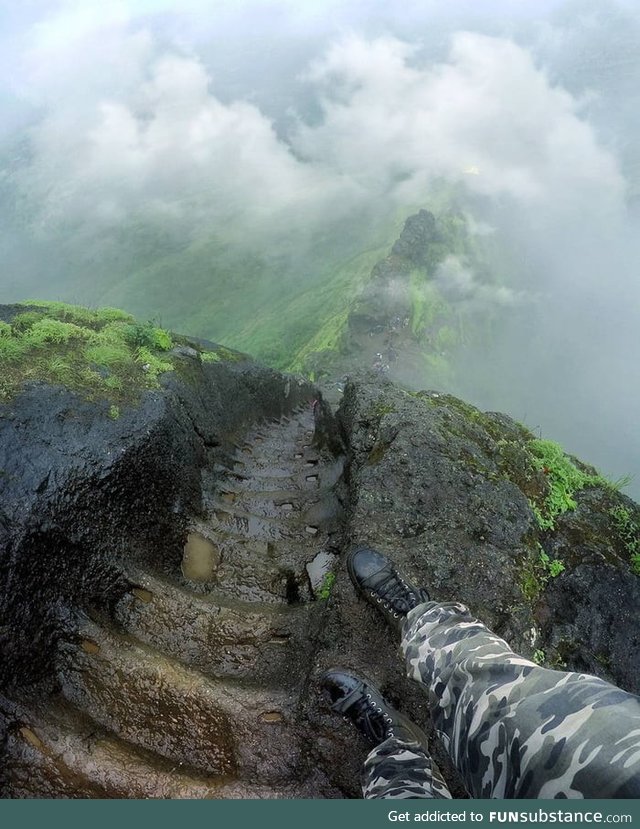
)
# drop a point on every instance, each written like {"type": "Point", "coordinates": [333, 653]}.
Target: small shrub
{"type": "Point", "coordinates": [114, 412]}
{"type": "Point", "coordinates": [537, 572]}
{"type": "Point", "coordinates": [552, 567]}
{"type": "Point", "coordinates": [210, 357]}
{"type": "Point", "coordinates": [147, 336]}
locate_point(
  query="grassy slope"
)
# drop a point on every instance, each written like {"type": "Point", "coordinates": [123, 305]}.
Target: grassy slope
{"type": "Point", "coordinates": [102, 353]}
{"type": "Point", "coordinates": [265, 306]}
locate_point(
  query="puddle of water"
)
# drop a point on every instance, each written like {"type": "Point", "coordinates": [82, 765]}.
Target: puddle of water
{"type": "Point", "coordinates": [200, 558]}
{"type": "Point", "coordinates": [317, 569]}
{"type": "Point", "coordinates": [31, 738]}
{"type": "Point", "coordinates": [89, 647]}
{"type": "Point", "coordinates": [272, 716]}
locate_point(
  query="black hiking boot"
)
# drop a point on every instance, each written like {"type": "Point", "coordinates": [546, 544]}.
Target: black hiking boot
{"type": "Point", "coordinates": [362, 704]}
{"type": "Point", "coordinates": [380, 583]}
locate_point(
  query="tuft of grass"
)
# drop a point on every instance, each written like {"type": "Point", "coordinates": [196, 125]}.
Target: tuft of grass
{"type": "Point", "coordinates": [222, 354]}
{"type": "Point", "coordinates": [108, 354]}
{"type": "Point", "coordinates": [114, 412]}
{"type": "Point", "coordinates": [46, 331]}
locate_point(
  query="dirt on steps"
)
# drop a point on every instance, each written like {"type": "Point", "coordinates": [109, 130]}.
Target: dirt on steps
{"type": "Point", "coordinates": [191, 686]}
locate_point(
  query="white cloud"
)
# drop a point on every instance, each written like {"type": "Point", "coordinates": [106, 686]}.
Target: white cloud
{"type": "Point", "coordinates": [488, 110]}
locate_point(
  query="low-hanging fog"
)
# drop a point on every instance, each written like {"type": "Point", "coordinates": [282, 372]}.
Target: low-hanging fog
{"type": "Point", "coordinates": [136, 129]}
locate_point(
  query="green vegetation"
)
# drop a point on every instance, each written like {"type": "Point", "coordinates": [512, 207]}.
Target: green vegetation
{"type": "Point", "coordinates": [114, 412]}
{"type": "Point", "coordinates": [101, 353]}
{"type": "Point", "coordinates": [222, 354]}
{"type": "Point", "coordinates": [564, 479]}
{"type": "Point", "coordinates": [629, 533]}
{"type": "Point", "coordinates": [551, 567]}
{"type": "Point", "coordinates": [327, 585]}
{"type": "Point", "coordinates": [536, 573]}
{"type": "Point", "coordinates": [539, 657]}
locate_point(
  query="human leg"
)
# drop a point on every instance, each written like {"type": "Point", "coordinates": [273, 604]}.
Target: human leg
{"type": "Point", "coordinates": [511, 727]}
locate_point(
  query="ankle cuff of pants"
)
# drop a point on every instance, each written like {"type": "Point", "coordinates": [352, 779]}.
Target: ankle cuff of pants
{"type": "Point", "coordinates": [392, 745]}
{"type": "Point", "coordinates": [416, 613]}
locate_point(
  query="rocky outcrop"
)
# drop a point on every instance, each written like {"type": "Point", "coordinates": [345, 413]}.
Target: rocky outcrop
{"type": "Point", "coordinates": [449, 492]}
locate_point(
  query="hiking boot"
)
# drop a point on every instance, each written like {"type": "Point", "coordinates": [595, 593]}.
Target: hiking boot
{"type": "Point", "coordinates": [358, 701]}
{"type": "Point", "coordinates": [380, 583]}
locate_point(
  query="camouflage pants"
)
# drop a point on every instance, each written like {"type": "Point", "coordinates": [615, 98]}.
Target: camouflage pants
{"type": "Point", "coordinates": [512, 728]}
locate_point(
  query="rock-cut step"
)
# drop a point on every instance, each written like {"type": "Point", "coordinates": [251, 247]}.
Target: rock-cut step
{"type": "Point", "coordinates": [257, 642]}
{"type": "Point", "coordinates": [57, 752]}
{"type": "Point", "coordinates": [162, 706]}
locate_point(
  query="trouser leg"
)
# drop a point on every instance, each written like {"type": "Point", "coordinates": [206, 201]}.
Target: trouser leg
{"type": "Point", "coordinates": [513, 728]}
{"type": "Point", "coordinates": [396, 771]}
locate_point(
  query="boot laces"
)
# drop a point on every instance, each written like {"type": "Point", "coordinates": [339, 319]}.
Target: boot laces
{"type": "Point", "coordinates": [394, 594]}
{"type": "Point", "coordinates": [365, 709]}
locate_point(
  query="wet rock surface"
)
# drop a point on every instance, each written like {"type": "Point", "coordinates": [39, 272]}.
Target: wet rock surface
{"type": "Point", "coordinates": [169, 577]}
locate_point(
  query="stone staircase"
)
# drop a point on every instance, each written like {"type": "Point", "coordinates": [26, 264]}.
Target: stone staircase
{"type": "Point", "coordinates": [192, 687]}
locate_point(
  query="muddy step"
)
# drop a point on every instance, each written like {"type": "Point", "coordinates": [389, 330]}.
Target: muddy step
{"type": "Point", "coordinates": [245, 568]}
{"type": "Point", "coordinates": [156, 703]}
{"type": "Point", "coordinates": [289, 525]}
{"type": "Point", "coordinates": [234, 521]}
{"type": "Point", "coordinates": [303, 480]}
{"type": "Point", "coordinates": [259, 643]}
{"type": "Point", "coordinates": [263, 456]}
{"type": "Point", "coordinates": [58, 752]}
{"type": "Point", "coordinates": [274, 503]}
